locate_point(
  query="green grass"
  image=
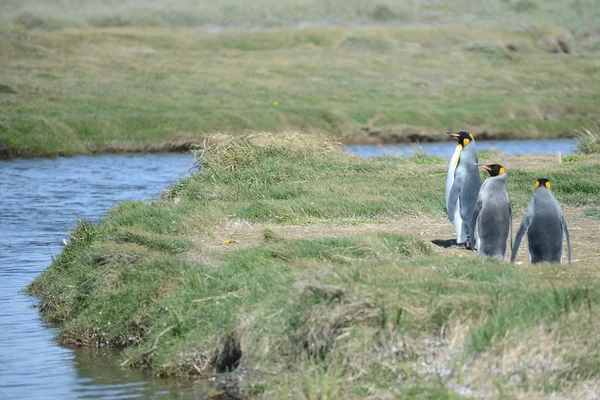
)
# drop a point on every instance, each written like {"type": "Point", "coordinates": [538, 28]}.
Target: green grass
{"type": "Point", "coordinates": [592, 213]}
{"type": "Point", "coordinates": [577, 15]}
{"type": "Point", "coordinates": [75, 91]}
{"type": "Point", "coordinates": [588, 141]}
{"type": "Point", "coordinates": [344, 316]}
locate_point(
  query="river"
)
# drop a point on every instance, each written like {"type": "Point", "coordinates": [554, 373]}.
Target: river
{"type": "Point", "coordinates": [445, 149]}
{"type": "Point", "coordinates": [40, 200]}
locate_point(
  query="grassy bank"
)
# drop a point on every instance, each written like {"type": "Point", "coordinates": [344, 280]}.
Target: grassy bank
{"type": "Point", "coordinates": [313, 274]}
{"type": "Point", "coordinates": [77, 91]}
{"type": "Point", "coordinates": [576, 15]}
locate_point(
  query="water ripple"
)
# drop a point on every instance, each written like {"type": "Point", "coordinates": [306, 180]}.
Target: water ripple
{"type": "Point", "coordinates": [41, 200]}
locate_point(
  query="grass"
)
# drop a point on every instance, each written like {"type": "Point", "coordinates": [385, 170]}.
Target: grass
{"type": "Point", "coordinates": [592, 213]}
{"type": "Point", "coordinates": [375, 311]}
{"type": "Point", "coordinates": [576, 15]}
{"type": "Point", "coordinates": [588, 142]}
{"type": "Point", "coordinates": [131, 88]}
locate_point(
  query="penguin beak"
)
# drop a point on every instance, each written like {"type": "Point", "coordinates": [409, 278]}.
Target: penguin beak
{"type": "Point", "coordinates": [485, 167]}
{"type": "Point", "coordinates": [455, 136]}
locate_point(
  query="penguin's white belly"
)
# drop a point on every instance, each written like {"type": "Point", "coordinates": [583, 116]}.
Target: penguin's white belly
{"type": "Point", "coordinates": [457, 220]}
{"type": "Point", "coordinates": [451, 170]}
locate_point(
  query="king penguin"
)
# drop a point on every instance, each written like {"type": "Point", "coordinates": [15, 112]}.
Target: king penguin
{"type": "Point", "coordinates": [462, 184]}
{"type": "Point", "coordinates": [544, 223]}
{"type": "Point", "coordinates": [491, 221]}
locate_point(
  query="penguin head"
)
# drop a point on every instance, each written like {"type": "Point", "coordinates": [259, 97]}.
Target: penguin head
{"type": "Point", "coordinates": [463, 138]}
{"type": "Point", "coordinates": [542, 182]}
{"type": "Point", "coordinates": [494, 169]}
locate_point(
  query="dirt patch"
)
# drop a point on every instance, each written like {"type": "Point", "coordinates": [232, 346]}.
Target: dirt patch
{"type": "Point", "coordinates": [236, 235]}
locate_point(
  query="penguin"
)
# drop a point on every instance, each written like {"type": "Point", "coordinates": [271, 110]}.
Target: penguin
{"type": "Point", "coordinates": [462, 184]}
{"type": "Point", "coordinates": [545, 224]}
{"type": "Point", "coordinates": [491, 221]}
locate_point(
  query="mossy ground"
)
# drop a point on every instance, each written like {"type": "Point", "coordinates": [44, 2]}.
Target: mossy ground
{"type": "Point", "coordinates": [318, 269]}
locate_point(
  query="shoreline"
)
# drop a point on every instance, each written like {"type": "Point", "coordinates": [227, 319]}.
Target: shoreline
{"type": "Point", "coordinates": [179, 146]}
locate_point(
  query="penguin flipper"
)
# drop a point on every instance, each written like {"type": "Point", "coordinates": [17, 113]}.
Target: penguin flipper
{"type": "Point", "coordinates": [522, 229]}
{"type": "Point", "coordinates": [563, 222]}
{"type": "Point", "coordinates": [453, 198]}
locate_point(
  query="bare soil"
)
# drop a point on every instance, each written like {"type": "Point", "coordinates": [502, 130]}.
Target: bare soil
{"type": "Point", "coordinates": [585, 235]}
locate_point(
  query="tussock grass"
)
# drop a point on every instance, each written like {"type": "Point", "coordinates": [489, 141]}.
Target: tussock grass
{"type": "Point", "coordinates": [588, 142]}
{"type": "Point", "coordinates": [230, 153]}
{"type": "Point", "coordinates": [367, 313]}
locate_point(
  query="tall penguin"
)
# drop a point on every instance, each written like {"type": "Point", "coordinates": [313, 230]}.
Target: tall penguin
{"type": "Point", "coordinates": [544, 223]}
{"type": "Point", "coordinates": [462, 184]}
{"type": "Point", "coordinates": [491, 221]}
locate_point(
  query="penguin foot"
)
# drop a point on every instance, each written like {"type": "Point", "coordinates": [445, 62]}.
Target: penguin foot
{"type": "Point", "coordinates": [469, 244]}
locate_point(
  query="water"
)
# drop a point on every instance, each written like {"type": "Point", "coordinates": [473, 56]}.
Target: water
{"type": "Point", "coordinates": [40, 200]}
{"type": "Point", "coordinates": [445, 149]}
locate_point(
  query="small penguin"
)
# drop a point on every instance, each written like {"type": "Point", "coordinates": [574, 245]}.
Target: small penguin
{"type": "Point", "coordinates": [462, 184]}
{"type": "Point", "coordinates": [491, 221]}
{"type": "Point", "coordinates": [544, 223]}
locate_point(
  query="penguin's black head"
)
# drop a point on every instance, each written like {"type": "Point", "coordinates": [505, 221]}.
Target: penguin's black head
{"type": "Point", "coordinates": [494, 169]}
{"type": "Point", "coordinates": [463, 138]}
{"type": "Point", "coordinates": [542, 182]}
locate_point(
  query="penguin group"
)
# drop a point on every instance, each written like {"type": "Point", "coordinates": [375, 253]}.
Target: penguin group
{"type": "Point", "coordinates": [481, 214]}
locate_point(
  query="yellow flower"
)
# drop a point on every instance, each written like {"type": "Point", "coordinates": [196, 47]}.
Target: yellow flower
{"type": "Point", "coordinates": [275, 103]}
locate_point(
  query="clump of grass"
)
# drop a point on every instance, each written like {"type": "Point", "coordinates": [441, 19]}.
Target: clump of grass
{"type": "Point", "coordinates": [572, 159]}
{"type": "Point", "coordinates": [525, 5]}
{"type": "Point", "coordinates": [493, 51]}
{"type": "Point", "coordinates": [592, 213]}
{"type": "Point", "coordinates": [489, 154]}
{"type": "Point", "coordinates": [362, 41]}
{"type": "Point", "coordinates": [588, 141]}
{"type": "Point", "coordinates": [230, 153]}
{"type": "Point", "coordinates": [420, 157]}
{"type": "Point", "coordinates": [7, 89]}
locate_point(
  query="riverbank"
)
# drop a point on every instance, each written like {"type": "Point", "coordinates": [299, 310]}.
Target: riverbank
{"type": "Point", "coordinates": [313, 273]}
{"type": "Point", "coordinates": [130, 89]}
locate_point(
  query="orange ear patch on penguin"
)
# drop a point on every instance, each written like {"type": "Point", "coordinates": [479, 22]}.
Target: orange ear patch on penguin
{"type": "Point", "coordinates": [543, 182]}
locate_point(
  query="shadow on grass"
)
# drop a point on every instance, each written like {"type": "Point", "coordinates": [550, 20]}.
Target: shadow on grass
{"type": "Point", "coordinates": [445, 243]}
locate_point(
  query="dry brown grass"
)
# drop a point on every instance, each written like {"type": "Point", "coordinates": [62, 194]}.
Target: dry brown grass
{"type": "Point", "coordinates": [228, 152]}
{"type": "Point", "coordinates": [540, 359]}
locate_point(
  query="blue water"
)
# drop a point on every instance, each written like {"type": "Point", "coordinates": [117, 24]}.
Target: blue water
{"type": "Point", "coordinates": [445, 149]}
{"type": "Point", "coordinates": [40, 200]}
